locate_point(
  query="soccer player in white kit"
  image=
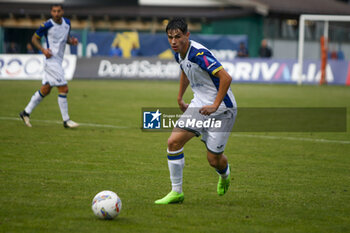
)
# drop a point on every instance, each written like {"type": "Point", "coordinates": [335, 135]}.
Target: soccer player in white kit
{"type": "Point", "coordinates": [213, 99]}
{"type": "Point", "coordinates": [57, 34]}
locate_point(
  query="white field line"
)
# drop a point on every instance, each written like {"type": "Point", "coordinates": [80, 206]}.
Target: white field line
{"type": "Point", "coordinates": [291, 138]}
{"type": "Point", "coordinates": [233, 134]}
{"type": "Point", "coordinates": [61, 123]}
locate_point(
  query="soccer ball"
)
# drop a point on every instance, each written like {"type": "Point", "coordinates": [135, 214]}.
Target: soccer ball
{"type": "Point", "coordinates": [106, 205]}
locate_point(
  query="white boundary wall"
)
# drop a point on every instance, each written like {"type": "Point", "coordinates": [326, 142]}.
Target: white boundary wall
{"type": "Point", "coordinates": [31, 67]}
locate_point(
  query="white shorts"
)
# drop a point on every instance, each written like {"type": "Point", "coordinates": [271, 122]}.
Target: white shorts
{"type": "Point", "coordinates": [215, 138]}
{"type": "Point", "coordinates": [53, 74]}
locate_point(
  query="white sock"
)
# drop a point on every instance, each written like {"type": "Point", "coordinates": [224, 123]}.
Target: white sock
{"type": "Point", "coordinates": [34, 101]}
{"type": "Point", "coordinates": [225, 172]}
{"type": "Point", "coordinates": [176, 163]}
{"type": "Point", "coordinates": [63, 103]}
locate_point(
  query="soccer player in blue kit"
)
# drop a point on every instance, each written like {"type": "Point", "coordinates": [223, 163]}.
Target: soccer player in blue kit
{"type": "Point", "coordinates": [57, 34]}
{"type": "Point", "coordinates": [213, 98]}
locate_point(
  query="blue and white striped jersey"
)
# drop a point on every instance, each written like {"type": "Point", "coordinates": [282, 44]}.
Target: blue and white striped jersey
{"type": "Point", "coordinates": [56, 36]}
{"type": "Point", "coordinates": [200, 67]}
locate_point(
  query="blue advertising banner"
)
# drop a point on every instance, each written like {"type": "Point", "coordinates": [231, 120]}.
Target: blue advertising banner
{"type": "Point", "coordinates": [131, 44]}
{"type": "Point", "coordinates": [241, 70]}
{"type": "Point", "coordinates": [286, 71]}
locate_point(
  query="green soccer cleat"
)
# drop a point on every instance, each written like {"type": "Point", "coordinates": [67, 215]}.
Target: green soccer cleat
{"type": "Point", "coordinates": [223, 185]}
{"type": "Point", "coordinates": [172, 198]}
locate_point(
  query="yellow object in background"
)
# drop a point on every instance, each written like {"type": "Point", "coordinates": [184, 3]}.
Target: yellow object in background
{"type": "Point", "coordinates": [126, 42]}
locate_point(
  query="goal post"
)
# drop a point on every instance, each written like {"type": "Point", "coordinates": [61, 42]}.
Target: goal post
{"type": "Point", "coordinates": [324, 18]}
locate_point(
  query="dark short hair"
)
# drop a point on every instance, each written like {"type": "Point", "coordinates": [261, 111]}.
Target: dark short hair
{"type": "Point", "coordinates": [56, 5]}
{"type": "Point", "coordinates": [177, 23]}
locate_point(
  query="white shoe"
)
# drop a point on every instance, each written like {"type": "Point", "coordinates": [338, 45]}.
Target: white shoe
{"type": "Point", "coordinates": [25, 118]}
{"type": "Point", "coordinates": [70, 124]}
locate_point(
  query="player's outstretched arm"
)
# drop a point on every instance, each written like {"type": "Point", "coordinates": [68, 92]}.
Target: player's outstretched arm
{"type": "Point", "coordinates": [225, 82]}
{"type": "Point", "coordinates": [183, 86]}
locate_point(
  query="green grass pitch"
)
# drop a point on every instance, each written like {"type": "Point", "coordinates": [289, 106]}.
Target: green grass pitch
{"type": "Point", "coordinates": [282, 182]}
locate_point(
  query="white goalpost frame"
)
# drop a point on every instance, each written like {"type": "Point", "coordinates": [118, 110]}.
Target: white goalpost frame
{"type": "Point", "coordinates": [302, 19]}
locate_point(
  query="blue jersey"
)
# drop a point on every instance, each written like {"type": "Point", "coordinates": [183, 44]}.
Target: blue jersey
{"type": "Point", "coordinates": [200, 67]}
{"type": "Point", "coordinates": [56, 36]}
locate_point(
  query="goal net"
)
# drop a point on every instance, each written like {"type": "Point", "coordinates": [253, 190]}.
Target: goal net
{"type": "Point", "coordinates": [330, 32]}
